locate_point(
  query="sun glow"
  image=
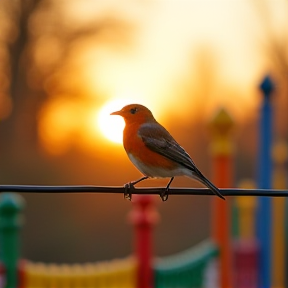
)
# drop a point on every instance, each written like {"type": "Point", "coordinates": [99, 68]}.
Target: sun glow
{"type": "Point", "coordinates": [112, 126]}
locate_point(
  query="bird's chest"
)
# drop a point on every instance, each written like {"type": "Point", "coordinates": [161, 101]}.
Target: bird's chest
{"type": "Point", "coordinates": [146, 160]}
{"type": "Point", "coordinates": [135, 146]}
{"type": "Point", "coordinates": [131, 140]}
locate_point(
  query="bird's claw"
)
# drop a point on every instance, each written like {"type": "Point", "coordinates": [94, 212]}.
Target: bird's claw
{"type": "Point", "coordinates": [127, 192]}
{"type": "Point", "coordinates": [164, 194]}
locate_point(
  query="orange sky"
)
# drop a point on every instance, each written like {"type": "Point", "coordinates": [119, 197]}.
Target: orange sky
{"type": "Point", "coordinates": [162, 58]}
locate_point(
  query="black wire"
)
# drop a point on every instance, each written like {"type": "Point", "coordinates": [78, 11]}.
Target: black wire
{"type": "Point", "coordinates": [172, 191]}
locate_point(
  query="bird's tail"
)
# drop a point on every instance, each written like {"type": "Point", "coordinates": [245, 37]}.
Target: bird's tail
{"type": "Point", "coordinates": [208, 184]}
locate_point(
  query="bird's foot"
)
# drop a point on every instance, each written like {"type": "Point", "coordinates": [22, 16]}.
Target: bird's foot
{"type": "Point", "coordinates": [127, 192]}
{"type": "Point", "coordinates": [164, 194]}
{"type": "Point", "coordinates": [130, 187]}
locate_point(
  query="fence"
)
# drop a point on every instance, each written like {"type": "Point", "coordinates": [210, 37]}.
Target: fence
{"type": "Point", "coordinates": [196, 267]}
{"type": "Point", "coordinates": [118, 273]}
{"type": "Point", "coordinates": [192, 267]}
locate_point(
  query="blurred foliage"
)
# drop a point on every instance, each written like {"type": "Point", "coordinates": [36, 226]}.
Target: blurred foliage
{"type": "Point", "coordinates": [40, 51]}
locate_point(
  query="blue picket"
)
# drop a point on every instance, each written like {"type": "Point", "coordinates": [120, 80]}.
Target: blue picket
{"type": "Point", "coordinates": [263, 222]}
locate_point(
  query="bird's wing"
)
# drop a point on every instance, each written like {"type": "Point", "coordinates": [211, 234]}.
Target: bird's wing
{"type": "Point", "coordinates": [159, 140]}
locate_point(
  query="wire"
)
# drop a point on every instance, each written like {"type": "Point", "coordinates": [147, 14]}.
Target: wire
{"type": "Point", "coordinates": [111, 189]}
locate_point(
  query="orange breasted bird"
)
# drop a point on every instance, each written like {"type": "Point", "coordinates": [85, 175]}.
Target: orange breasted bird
{"type": "Point", "coordinates": [154, 152]}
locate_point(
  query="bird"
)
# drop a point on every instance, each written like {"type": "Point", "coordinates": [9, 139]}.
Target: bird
{"type": "Point", "coordinates": [154, 152]}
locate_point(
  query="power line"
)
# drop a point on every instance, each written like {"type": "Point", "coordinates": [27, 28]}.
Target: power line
{"type": "Point", "coordinates": [153, 190]}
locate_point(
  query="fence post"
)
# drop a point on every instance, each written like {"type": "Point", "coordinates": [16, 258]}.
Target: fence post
{"type": "Point", "coordinates": [11, 205]}
{"type": "Point", "coordinates": [222, 176]}
{"type": "Point", "coordinates": [246, 206]}
{"type": "Point", "coordinates": [263, 221]}
{"type": "Point", "coordinates": [143, 216]}
{"type": "Point", "coordinates": [245, 246]}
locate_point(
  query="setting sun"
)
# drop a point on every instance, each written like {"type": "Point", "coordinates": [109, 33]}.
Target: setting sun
{"type": "Point", "coordinates": [112, 126]}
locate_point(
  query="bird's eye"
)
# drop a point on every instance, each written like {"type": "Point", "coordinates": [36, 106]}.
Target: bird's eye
{"type": "Point", "coordinates": [133, 110]}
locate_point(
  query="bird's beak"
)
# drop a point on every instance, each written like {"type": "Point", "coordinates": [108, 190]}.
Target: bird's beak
{"type": "Point", "coordinates": [117, 113]}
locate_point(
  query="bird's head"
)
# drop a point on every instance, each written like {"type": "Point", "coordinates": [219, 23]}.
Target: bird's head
{"type": "Point", "coordinates": [135, 113]}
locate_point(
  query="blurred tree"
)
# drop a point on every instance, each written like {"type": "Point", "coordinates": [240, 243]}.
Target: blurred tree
{"type": "Point", "coordinates": [39, 40]}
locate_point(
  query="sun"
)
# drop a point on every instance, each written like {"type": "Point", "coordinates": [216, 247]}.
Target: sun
{"type": "Point", "coordinates": [112, 126]}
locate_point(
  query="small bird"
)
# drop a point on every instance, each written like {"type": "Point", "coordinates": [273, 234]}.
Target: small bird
{"type": "Point", "coordinates": [154, 152]}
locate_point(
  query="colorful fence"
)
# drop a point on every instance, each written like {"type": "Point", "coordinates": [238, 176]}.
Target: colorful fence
{"type": "Point", "coordinates": [192, 268]}
{"type": "Point", "coordinates": [118, 273]}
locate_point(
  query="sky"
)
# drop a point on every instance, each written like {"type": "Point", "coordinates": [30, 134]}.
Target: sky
{"type": "Point", "coordinates": [163, 56]}
{"type": "Point", "coordinates": [170, 32]}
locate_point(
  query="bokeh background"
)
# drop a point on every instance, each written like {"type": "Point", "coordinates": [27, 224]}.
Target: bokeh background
{"type": "Point", "coordinates": [62, 61]}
